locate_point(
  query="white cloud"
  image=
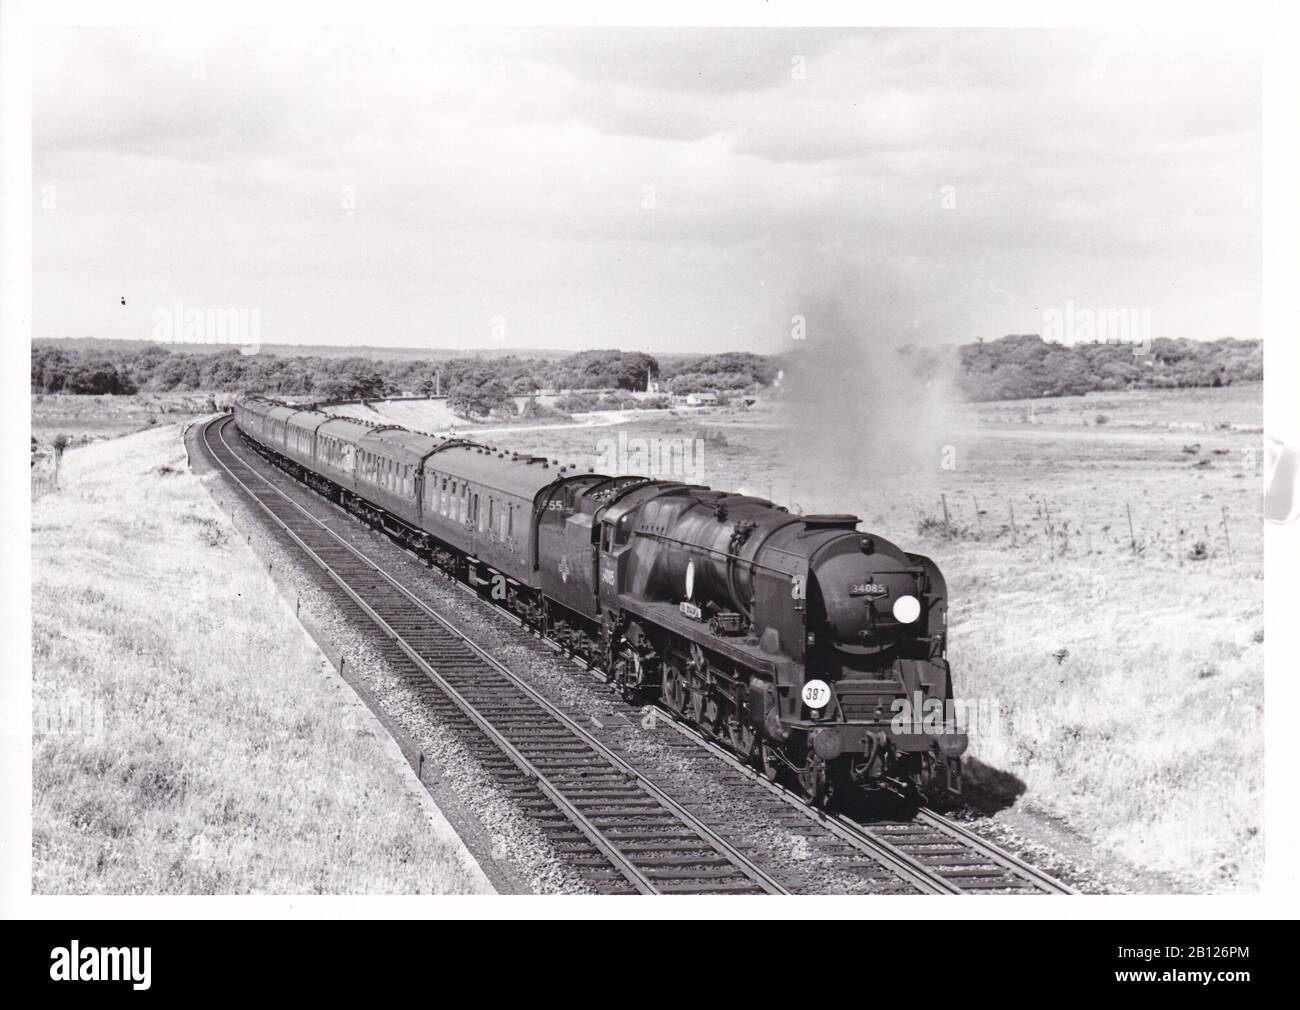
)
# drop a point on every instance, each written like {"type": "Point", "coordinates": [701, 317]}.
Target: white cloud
{"type": "Point", "coordinates": [378, 188]}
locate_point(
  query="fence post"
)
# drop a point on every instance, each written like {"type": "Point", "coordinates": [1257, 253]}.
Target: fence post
{"type": "Point", "coordinates": [947, 525]}
{"type": "Point", "coordinates": [1226, 539]}
{"type": "Point", "coordinates": [1132, 540]}
{"type": "Point", "coordinates": [1014, 533]}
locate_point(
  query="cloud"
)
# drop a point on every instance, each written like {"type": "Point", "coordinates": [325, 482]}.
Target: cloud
{"type": "Point", "coordinates": [650, 188]}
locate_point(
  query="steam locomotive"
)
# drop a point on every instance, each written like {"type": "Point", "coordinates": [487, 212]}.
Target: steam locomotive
{"type": "Point", "coordinates": [808, 647]}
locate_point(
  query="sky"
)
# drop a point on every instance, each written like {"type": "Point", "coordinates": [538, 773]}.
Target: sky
{"type": "Point", "coordinates": [665, 190]}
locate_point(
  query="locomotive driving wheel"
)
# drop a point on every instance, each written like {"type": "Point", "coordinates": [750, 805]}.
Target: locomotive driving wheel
{"type": "Point", "coordinates": [710, 714]}
{"type": "Point", "coordinates": [700, 700]}
{"type": "Point", "coordinates": [674, 688]}
{"type": "Point", "coordinates": [741, 735]}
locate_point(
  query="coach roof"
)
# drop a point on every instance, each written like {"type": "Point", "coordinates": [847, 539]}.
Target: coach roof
{"type": "Point", "coordinates": [308, 419]}
{"type": "Point", "coordinates": [281, 413]}
{"type": "Point", "coordinates": [349, 429]}
{"type": "Point", "coordinates": [510, 473]}
{"type": "Point", "coordinates": [398, 443]}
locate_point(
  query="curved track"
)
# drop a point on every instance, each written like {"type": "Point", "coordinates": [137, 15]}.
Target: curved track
{"type": "Point", "coordinates": [622, 833]}
{"type": "Point", "coordinates": [618, 829]}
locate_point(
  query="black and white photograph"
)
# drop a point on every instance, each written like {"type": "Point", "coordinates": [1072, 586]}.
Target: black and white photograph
{"type": "Point", "coordinates": [525, 461]}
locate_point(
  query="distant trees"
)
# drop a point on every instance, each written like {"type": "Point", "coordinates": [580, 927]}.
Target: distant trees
{"type": "Point", "coordinates": [1019, 367]}
{"type": "Point", "coordinates": [106, 370]}
{"type": "Point", "coordinates": [479, 394]}
{"type": "Point", "coordinates": [733, 370]}
{"type": "Point", "coordinates": [606, 369]}
{"type": "Point", "coordinates": [1013, 367]}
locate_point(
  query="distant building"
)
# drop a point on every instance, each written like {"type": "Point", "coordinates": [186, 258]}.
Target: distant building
{"type": "Point", "coordinates": [702, 400]}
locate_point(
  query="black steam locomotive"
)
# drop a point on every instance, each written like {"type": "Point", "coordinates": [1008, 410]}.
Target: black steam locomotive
{"type": "Point", "coordinates": [805, 645]}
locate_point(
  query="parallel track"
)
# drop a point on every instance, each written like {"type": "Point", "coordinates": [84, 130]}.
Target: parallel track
{"type": "Point", "coordinates": [933, 852]}
{"type": "Point", "coordinates": [618, 830]}
{"type": "Point", "coordinates": [928, 853]}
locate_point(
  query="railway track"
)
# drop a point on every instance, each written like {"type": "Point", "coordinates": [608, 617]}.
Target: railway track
{"type": "Point", "coordinates": [618, 829]}
{"type": "Point", "coordinates": [933, 852]}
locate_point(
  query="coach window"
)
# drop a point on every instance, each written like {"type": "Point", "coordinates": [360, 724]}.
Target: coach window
{"type": "Point", "coordinates": [510, 521]}
{"type": "Point", "coordinates": [492, 516]}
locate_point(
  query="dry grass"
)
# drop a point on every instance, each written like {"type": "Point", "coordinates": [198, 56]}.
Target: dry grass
{"type": "Point", "coordinates": [1128, 698]}
{"type": "Point", "coordinates": [85, 418]}
{"type": "Point", "coordinates": [187, 738]}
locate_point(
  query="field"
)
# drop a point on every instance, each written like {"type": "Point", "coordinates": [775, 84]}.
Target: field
{"type": "Point", "coordinates": [1115, 678]}
{"type": "Point", "coordinates": [86, 419]}
{"type": "Point", "coordinates": [187, 736]}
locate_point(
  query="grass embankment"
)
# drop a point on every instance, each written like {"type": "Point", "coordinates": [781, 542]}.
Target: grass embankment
{"type": "Point", "coordinates": [84, 419]}
{"type": "Point", "coordinates": [187, 736]}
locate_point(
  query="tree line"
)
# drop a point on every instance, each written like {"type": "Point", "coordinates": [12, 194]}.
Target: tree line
{"type": "Point", "coordinates": [1027, 366]}
{"type": "Point", "coordinates": [1012, 367]}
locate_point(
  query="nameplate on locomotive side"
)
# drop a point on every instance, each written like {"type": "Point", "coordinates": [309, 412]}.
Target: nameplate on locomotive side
{"type": "Point", "coordinates": [691, 610]}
